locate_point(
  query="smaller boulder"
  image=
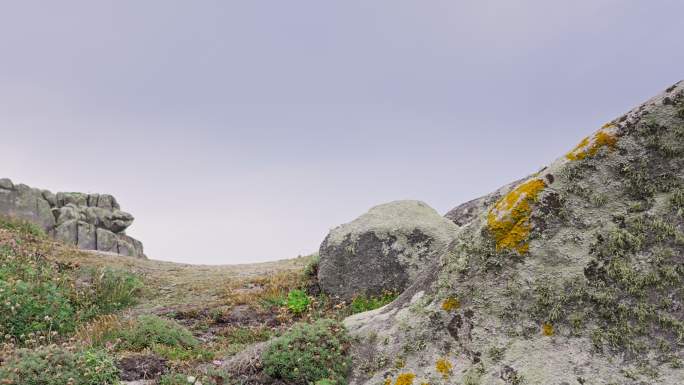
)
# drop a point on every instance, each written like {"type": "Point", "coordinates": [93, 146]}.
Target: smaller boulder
{"type": "Point", "coordinates": [383, 250]}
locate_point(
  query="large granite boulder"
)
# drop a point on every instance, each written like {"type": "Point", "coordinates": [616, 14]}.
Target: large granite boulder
{"type": "Point", "coordinates": [383, 250]}
{"type": "Point", "coordinates": [88, 221]}
{"type": "Point", "coordinates": [571, 276]}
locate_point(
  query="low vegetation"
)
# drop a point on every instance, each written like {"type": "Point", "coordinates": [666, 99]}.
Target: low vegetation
{"type": "Point", "coordinates": [310, 352]}
{"type": "Point", "coordinates": [52, 365]}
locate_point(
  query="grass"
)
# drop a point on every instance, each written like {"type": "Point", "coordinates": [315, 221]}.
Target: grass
{"type": "Point", "coordinates": [364, 303]}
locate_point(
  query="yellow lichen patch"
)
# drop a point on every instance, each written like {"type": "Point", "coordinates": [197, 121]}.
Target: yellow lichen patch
{"type": "Point", "coordinates": [509, 219]}
{"type": "Point", "coordinates": [405, 379]}
{"type": "Point", "coordinates": [388, 381]}
{"type": "Point", "coordinates": [443, 367]}
{"type": "Point", "coordinates": [547, 329]}
{"type": "Point", "coordinates": [590, 146]}
{"type": "Point", "coordinates": [451, 303]}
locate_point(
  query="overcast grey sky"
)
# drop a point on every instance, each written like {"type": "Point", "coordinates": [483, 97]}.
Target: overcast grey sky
{"type": "Point", "coordinates": [240, 131]}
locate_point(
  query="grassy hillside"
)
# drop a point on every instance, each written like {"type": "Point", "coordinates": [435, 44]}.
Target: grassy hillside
{"type": "Point", "coordinates": [75, 317]}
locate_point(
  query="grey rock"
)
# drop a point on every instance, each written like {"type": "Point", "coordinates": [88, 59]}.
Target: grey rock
{"type": "Point", "coordinates": [467, 212]}
{"type": "Point", "coordinates": [67, 232]}
{"type": "Point", "coordinates": [93, 199]}
{"type": "Point", "coordinates": [107, 241]}
{"type": "Point", "coordinates": [498, 306]}
{"type": "Point", "coordinates": [78, 199]}
{"type": "Point", "coordinates": [107, 201]}
{"type": "Point", "coordinates": [87, 236]}
{"type": "Point", "coordinates": [71, 217]}
{"type": "Point", "coordinates": [50, 198]}
{"type": "Point", "coordinates": [383, 250]}
{"type": "Point", "coordinates": [6, 184]}
{"type": "Point", "coordinates": [124, 247]}
{"type": "Point", "coordinates": [25, 203]}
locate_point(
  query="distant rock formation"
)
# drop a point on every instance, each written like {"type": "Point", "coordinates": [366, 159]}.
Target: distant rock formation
{"type": "Point", "coordinates": [88, 221]}
{"type": "Point", "coordinates": [383, 250]}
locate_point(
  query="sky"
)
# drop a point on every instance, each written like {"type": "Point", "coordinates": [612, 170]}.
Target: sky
{"type": "Point", "coordinates": [243, 131]}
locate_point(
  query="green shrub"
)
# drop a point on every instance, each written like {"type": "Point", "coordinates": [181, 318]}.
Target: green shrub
{"type": "Point", "coordinates": [110, 290]}
{"type": "Point", "coordinates": [677, 201]}
{"type": "Point", "coordinates": [297, 301]}
{"type": "Point", "coordinates": [309, 353]}
{"type": "Point", "coordinates": [150, 330]}
{"type": "Point", "coordinates": [52, 365]}
{"type": "Point", "coordinates": [363, 303]}
{"type": "Point", "coordinates": [173, 379]}
{"type": "Point", "coordinates": [32, 297]}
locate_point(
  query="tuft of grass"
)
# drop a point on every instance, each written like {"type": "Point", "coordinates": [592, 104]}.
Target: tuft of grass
{"type": "Point", "coordinates": [52, 365]}
{"type": "Point", "coordinates": [22, 227]}
{"type": "Point", "coordinates": [165, 337]}
{"type": "Point", "coordinates": [110, 290]}
{"type": "Point", "coordinates": [310, 352]}
{"type": "Point", "coordinates": [364, 303]}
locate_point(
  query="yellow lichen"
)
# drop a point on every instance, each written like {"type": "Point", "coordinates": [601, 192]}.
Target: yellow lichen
{"type": "Point", "coordinates": [509, 219]}
{"type": "Point", "coordinates": [405, 379]}
{"type": "Point", "coordinates": [451, 303]}
{"type": "Point", "coordinates": [590, 146]}
{"type": "Point", "coordinates": [388, 381]}
{"type": "Point", "coordinates": [547, 329]}
{"type": "Point", "coordinates": [443, 367]}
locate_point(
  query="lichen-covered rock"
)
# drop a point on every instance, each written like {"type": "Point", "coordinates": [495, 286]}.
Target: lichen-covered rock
{"type": "Point", "coordinates": [573, 275]}
{"type": "Point", "coordinates": [22, 202]}
{"type": "Point", "coordinates": [383, 250]}
{"type": "Point", "coordinates": [73, 218]}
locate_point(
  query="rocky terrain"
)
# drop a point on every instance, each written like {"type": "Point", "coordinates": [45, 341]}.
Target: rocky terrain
{"type": "Point", "coordinates": [89, 221]}
{"type": "Point", "coordinates": [571, 275]}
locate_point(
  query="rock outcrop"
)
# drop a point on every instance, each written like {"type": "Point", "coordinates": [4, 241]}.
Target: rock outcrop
{"type": "Point", "coordinates": [88, 221]}
{"type": "Point", "coordinates": [573, 275]}
{"type": "Point", "coordinates": [383, 250]}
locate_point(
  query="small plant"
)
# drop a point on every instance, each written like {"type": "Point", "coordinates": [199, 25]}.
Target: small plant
{"type": "Point", "coordinates": [677, 201]}
{"type": "Point", "coordinates": [297, 301]}
{"type": "Point", "coordinates": [23, 227]}
{"type": "Point", "coordinates": [164, 337]}
{"type": "Point", "coordinates": [52, 365]}
{"type": "Point", "coordinates": [173, 379]}
{"type": "Point", "coordinates": [113, 290]}
{"type": "Point", "coordinates": [309, 353]}
{"type": "Point", "coordinates": [363, 303]}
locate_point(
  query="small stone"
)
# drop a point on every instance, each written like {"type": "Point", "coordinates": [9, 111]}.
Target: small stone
{"type": "Point", "coordinates": [191, 379]}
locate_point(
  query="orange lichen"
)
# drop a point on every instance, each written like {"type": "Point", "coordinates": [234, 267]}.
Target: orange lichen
{"type": "Point", "coordinates": [509, 219]}
{"type": "Point", "coordinates": [405, 379]}
{"type": "Point", "coordinates": [547, 329]}
{"type": "Point", "coordinates": [590, 146]}
{"type": "Point", "coordinates": [443, 367]}
{"type": "Point", "coordinates": [451, 303]}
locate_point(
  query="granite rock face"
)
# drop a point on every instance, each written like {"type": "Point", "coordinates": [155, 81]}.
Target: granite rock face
{"type": "Point", "coordinates": [383, 250]}
{"type": "Point", "coordinates": [574, 275]}
{"type": "Point", "coordinates": [88, 221]}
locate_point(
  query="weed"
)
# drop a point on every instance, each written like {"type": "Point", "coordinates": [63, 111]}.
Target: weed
{"type": "Point", "coordinates": [309, 353]}
{"type": "Point", "coordinates": [364, 303]}
{"type": "Point", "coordinates": [297, 301]}
{"type": "Point", "coordinates": [58, 366]}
